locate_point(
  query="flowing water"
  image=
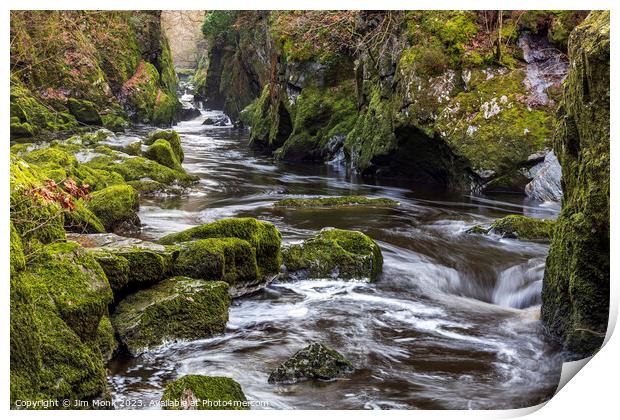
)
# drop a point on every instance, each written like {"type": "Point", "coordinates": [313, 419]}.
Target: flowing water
{"type": "Point", "coordinates": [451, 323]}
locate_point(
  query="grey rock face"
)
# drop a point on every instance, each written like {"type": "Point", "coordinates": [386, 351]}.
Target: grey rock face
{"type": "Point", "coordinates": [546, 185]}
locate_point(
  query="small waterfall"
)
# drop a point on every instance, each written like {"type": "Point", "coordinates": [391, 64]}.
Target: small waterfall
{"type": "Point", "coordinates": [520, 286]}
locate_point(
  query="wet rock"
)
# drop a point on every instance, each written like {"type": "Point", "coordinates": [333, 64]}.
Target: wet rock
{"type": "Point", "coordinates": [117, 208]}
{"type": "Point", "coordinates": [84, 111]}
{"type": "Point", "coordinates": [232, 260]}
{"type": "Point", "coordinates": [546, 185]}
{"type": "Point", "coordinates": [171, 136]}
{"type": "Point", "coordinates": [523, 227]}
{"type": "Point", "coordinates": [161, 152]}
{"type": "Point", "coordinates": [218, 121]}
{"type": "Point", "coordinates": [129, 263]}
{"type": "Point", "coordinates": [478, 230]}
{"type": "Point", "coordinates": [194, 392]}
{"type": "Point", "coordinates": [179, 308]}
{"type": "Point", "coordinates": [334, 253]}
{"type": "Point", "coordinates": [262, 236]}
{"type": "Point", "coordinates": [330, 202]}
{"type": "Point", "coordinates": [188, 113]}
{"type": "Point", "coordinates": [317, 361]}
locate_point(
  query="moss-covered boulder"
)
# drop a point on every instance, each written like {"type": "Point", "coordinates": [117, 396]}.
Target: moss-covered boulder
{"type": "Point", "coordinates": [82, 220]}
{"type": "Point", "coordinates": [197, 392]}
{"type": "Point", "coordinates": [330, 202]}
{"type": "Point", "coordinates": [317, 361]}
{"type": "Point", "coordinates": [18, 262]}
{"type": "Point", "coordinates": [262, 236]}
{"type": "Point", "coordinates": [232, 260]}
{"type": "Point", "coordinates": [117, 208]}
{"type": "Point", "coordinates": [161, 152]}
{"type": "Point", "coordinates": [179, 308]}
{"type": "Point", "coordinates": [130, 264]}
{"type": "Point", "coordinates": [334, 253]}
{"type": "Point", "coordinates": [33, 216]}
{"type": "Point", "coordinates": [523, 227]}
{"type": "Point", "coordinates": [171, 136]}
{"type": "Point", "coordinates": [84, 111]}
{"type": "Point", "coordinates": [575, 291]}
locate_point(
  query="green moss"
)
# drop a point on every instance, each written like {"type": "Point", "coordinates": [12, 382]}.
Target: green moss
{"type": "Point", "coordinates": [345, 201]}
{"type": "Point", "coordinates": [114, 122]}
{"type": "Point", "coordinates": [317, 361]}
{"type": "Point", "coordinates": [146, 266]}
{"type": "Point", "coordinates": [334, 253]}
{"type": "Point", "coordinates": [161, 152]}
{"type": "Point", "coordinates": [115, 206]}
{"type": "Point", "coordinates": [171, 136]}
{"type": "Point", "coordinates": [196, 391]}
{"type": "Point", "coordinates": [178, 308]}
{"type": "Point", "coordinates": [116, 268]}
{"type": "Point", "coordinates": [82, 220]}
{"type": "Point", "coordinates": [18, 261]}
{"type": "Point", "coordinates": [232, 260]}
{"type": "Point", "coordinates": [523, 227]}
{"type": "Point", "coordinates": [478, 230]}
{"type": "Point", "coordinates": [576, 284]}
{"type": "Point", "coordinates": [33, 218]}
{"type": "Point", "coordinates": [106, 341]}
{"type": "Point", "coordinates": [263, 236]}
{"type": "Point", "coordinates": [84, 111]}
{"type": "Point", "coordinates": [96, 179]}
{"type": "Point", "coordinates": [77, 285]}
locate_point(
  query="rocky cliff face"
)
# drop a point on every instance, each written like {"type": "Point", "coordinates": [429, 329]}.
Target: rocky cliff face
{"type": "Point", "coordinates": [74, 68]}
{"type": "Point", "coordinates": [576, 282]}
{"type": "Point", "coordinates": [448, 98]}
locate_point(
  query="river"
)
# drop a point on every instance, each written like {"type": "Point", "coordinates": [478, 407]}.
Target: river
{"type": "Point", "coordinates": [452, 323]}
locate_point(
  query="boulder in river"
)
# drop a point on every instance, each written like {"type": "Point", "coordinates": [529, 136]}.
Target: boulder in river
{"type": "Point", "coordinates": [523, 227]}
{"type": "Point", "coordinates": [335, 202]}
{"type": "Point", "coordinates": [232, 260]}
{"type": "Point", "coordinates": [161, 152]}
{"type": "Point", "coordinates": [198, 392]}
{"type": "Point", "coordinates": [188, 113]}
{"type": "Point", "coordinates": [262, 236]}
{"type": "Point", "coordinates": [334, 253]}
{"type": "Point", "coordinates": [129, 263]}
{"type": "Point", "coordinates": [317, 361]}
{"type": "Point", "coordinates": [171, 136]}
{"type": "Point", "coordinates": [179, 308]}
{"type": "Point", "coordinates": [117, 208]}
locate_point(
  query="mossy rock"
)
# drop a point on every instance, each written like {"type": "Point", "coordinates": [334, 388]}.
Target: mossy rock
{"type": "Point", "coordinates": [317, 361]}
{"type": "Point", "coordinates": [106, 340]}
{"type": "Point", "coordinates": [198, 392]}
{"type": "Point", "coordinates": [76, 283]}
{"type": "Point", "coordinates": [171, 136]}
{"type": "Point", "coordinates": [96, 179]}
{"type": "Point", "coordinates": [161, 152]}
{"type": "Point", "coordinates": [114, 122]}
{"type": "Point", "coordinates": [576, 284]}
{"type": "Point", "coordinates": [523, 227]}
{"type": "Point", "coordinates": [33, 217]}
{"type": "Point", "coordinates": [179, 308]}
{"type": "Point", "coordinates": [478, 230]}
{"type": "Point", "coordinates": [263, 236]}
{"type": "Point", "coordinates": [129, 263]}
{"type": "Point", "coordinates": [116, 207]}
{"type": "Point", "coordinates": [334, 253]}
{"type": "Point", "coordinates": [82, 220]}
{"type": "Point", "coordinates": [327, 202]}
{"type": "Point", "coordinates": [232, 260]}
{"type": "Point", "coordinates": [18, 262]}
{"type": "Point", "coordinates": [84, 111]}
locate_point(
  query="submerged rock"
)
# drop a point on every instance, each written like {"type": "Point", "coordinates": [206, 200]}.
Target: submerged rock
{"type": "Point", "coordinates": [346, 201]}
{"type": "Point", "coordinates": [179, 308]}
{"type": "Point", "coordinates": [198, 392]}
{"type": "Point", "coordinates": [547, 182]}
{"type": "Point", "coordinates": [232, 260]}
{"type": "Point", "coordinates": [117, 208]}
{"type": "Point", "coordinates": [575, 295]}
{"type": "Point", "coordinates": [334, 253]}
{"type": "Point", "coordinates": [317, 361]}
{"type": "Point", "coordinates": [523, 227]}
{"type": "Point", "coordinates": [262, 236]}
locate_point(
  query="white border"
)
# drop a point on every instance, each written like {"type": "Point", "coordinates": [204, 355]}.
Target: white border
{"type": "Point", "coordinates": [592, 395]}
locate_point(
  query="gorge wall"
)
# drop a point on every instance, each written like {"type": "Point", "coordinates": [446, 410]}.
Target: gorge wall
{"type": "Point", "coordinates": [76, 68]}
{"type": "Point", "coordinates": [458, 99]}
{"type": "Point", "coordinates": [576, 283]}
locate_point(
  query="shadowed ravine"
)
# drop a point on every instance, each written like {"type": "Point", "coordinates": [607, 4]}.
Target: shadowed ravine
{"type": "Point", "coordinates": [451, 323]}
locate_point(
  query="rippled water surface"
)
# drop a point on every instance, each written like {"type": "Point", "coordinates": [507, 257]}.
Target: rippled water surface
{"type": "Point", "coordinates": [451, 323]}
